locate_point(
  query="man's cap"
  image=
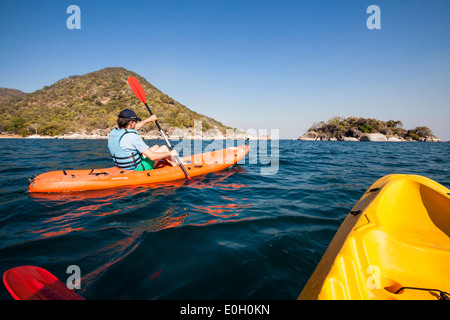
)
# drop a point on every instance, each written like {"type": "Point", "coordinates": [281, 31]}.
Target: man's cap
{"type": "Point", "coordinates": [129, 114]}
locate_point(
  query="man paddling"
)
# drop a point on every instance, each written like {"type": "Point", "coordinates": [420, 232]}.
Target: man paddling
{"type": "Point", "coordinates": [129, 151]}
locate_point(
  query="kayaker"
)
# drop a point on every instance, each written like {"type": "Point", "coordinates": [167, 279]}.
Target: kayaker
{"type": "Point", "coordinates": [129, 151]}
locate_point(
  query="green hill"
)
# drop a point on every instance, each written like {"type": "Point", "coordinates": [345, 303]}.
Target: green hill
{"type": "Point", "coordinates": [91, 102]}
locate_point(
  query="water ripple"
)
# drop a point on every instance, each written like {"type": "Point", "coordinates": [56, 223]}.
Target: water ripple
{"type": "Point", "coordinates": [234, 234]}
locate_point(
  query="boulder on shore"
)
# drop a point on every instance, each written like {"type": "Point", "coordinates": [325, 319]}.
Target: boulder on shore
{"type": "Point", "coordinates": [373, 137]}
{"type": "Point", "coordinates": [393, 138]}
{"type": "Point", "coordinates": [309, 136]}
{"type": "Point", "coordinates": [432, 139]}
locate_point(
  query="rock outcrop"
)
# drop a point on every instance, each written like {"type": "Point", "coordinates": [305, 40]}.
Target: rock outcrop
{"type": "Point", "coordinates": [309, 136]}
{"type": "Point", "coordinates": [393, 138]}
{"type": "Point", "coordinates": [373, 137]}
{"type": "Point", "coordinates": [431, 139]}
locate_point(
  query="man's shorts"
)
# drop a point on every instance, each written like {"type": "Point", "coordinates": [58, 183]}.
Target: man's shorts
{"type": "Point", "coordinates": [148, 164]}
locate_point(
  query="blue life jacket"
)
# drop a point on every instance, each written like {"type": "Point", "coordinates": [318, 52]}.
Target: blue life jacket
{"type": "Point", "coordinates": [123, 159]}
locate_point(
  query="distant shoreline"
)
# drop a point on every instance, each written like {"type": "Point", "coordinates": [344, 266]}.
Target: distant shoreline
{"type": "Point", "coordinates": [96, 137]}
{"type": "Point", "coordinates": [145, 137]}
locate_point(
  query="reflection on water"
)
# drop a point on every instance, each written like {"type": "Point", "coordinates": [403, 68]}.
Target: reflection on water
{"type": "Point", "coordinates": [218, 210]}
{"type": "Point", "coordinates": [218, 180]}
{"type": "Point", "coordinates": [124, 210]}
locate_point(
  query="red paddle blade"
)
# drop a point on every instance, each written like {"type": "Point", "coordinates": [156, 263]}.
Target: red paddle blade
{"type": "Point", "coordinates": [137, 89]}
{"type": "Point", "coordinates": [35, 283]}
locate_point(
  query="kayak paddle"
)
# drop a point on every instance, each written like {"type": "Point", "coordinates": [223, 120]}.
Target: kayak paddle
{"type": "Point", "coordinates": [35, 283]}
{"type": "Point", "coordinates": [139, 92]}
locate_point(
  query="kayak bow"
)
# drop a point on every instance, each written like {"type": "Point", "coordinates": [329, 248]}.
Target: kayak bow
{"type": "Point", "coordinates": [394, 244]}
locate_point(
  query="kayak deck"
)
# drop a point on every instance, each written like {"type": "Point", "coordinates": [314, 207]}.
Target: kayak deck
{"type": "Point", "coordinates": [95, 179]}
{"type": "Point", "coordinates": [394, 244]}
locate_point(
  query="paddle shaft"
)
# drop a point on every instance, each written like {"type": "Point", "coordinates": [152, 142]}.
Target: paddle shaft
{"type": "Point", "coordinates": [139, 92]}
{"type": "Point", "coordinates": [168, 142]}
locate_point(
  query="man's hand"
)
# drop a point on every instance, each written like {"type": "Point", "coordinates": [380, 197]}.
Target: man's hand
{"type": "Point", "coordinates": [152, 118]}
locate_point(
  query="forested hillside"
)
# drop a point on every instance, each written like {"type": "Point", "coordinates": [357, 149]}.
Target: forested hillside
{"type": "Point", "coordinates": [91, 102]}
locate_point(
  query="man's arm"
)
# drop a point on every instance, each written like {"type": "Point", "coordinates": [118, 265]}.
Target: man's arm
{"type": "Point", "coordinates": [153, 155]}
{"type": "Point", "coordinates": [142, 123]}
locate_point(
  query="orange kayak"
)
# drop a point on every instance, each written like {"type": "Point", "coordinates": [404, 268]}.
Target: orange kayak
{"type": "Point", "coordinates": [95, 179]}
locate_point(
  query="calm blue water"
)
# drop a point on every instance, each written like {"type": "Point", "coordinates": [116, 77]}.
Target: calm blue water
{"type": "Point", "coordinates": [235, 234]}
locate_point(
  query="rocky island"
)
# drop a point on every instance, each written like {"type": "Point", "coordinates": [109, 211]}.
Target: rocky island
{"type": "Point", "coordinates": [363, 129]}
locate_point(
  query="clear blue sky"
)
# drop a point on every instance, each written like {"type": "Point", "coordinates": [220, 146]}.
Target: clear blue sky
{"type": "Point", "coordinates": [251, 64]}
